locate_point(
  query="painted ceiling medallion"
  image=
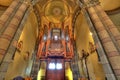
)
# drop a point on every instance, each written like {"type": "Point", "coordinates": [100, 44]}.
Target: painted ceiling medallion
{"type": "Point", "coordinates": [56, 11]}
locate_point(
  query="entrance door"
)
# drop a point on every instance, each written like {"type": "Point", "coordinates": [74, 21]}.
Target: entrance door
{"type": "Point", "coordinates": [55, 69]}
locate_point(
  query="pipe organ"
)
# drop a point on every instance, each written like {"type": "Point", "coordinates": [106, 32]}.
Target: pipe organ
{"type": "Point", "coordinates": [55, 46]}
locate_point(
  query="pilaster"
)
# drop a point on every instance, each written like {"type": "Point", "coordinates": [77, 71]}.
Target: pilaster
{"type": "Point", "coordinates": [110, 27]}
{"type": "Point", "coordinates": [9, 32]}
{"type": "Point", "coordinates": [111, 50]}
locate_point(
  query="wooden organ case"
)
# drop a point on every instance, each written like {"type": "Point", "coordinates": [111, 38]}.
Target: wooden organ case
{"type": "Point", "coordinates": [56, 48]}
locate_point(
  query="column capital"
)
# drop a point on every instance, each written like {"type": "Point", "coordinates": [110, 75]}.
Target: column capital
{"type": "Point", "coordinates": [92, 3]}
{"type": "Point", "coordinates": [88, 3]}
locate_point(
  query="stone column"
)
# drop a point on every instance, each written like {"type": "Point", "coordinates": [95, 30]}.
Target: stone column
{"type": "Point", "coordinates": [110, 49]}
{"type": "Point", "coordinates": [8, 13]}
{"type": "Point", "coordinates": [10, 31]}
{"type": "Point", "coordinates": [108, 23]}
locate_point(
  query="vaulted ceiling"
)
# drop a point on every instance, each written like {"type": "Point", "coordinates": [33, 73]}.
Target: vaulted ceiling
{"type": "Point", "coordinates": [110, 4]}
{"type": "Point", "coordinates": [58, 10]}
{"type": "Point", "coordinates": [54, 8]}
{"type": "Point", "coordinates": [106, 4]}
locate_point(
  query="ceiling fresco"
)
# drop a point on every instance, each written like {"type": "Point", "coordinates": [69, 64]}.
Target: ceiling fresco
{"type": "Point", "coordinates": [56, 11]}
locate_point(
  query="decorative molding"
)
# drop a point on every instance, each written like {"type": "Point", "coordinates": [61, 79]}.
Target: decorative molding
{"type": "Point", "coordinates": [88, 4]}
{"type": "Point", "coordinates": [75, 15]}
{"type": "Point", "coordinates": [38, 16]}
{"type": "Point", "coordinates": [114, 11]}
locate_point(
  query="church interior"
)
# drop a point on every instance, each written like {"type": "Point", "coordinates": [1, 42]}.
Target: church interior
{"type": "Point", "coordinates": [59, 39]}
